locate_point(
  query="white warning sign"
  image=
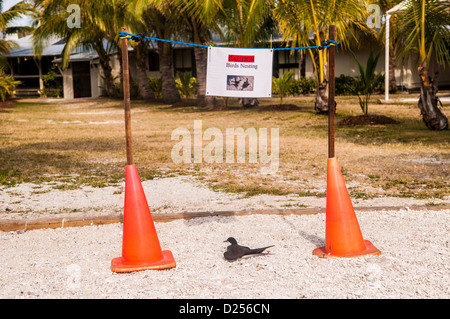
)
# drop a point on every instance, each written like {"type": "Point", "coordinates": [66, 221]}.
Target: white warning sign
{"type": "Point", "coordinates": [234, 72]}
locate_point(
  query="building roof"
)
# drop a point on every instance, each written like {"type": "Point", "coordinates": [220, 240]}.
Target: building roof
{"type": "Point", "coordinates": [26, 49]}
{"type": "Point", "coordinates": [52, 47]}
{"type": "Point", "coordinates": [79, 57]}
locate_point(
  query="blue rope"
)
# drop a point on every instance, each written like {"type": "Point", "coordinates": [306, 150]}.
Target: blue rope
{"type": "Point", "coordinates": [125, 35]}
{"type": "Point", "coordinates": [135, 37]}
{"type": "Point", "coordinates": [325, 44]}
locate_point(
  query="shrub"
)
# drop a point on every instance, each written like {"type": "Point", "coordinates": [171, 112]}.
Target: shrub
{"type": "Point", "coordinates": [7, 85]}
{"type": "Point", "coordinates": [52, 87]}
{"type": "Point", "coordinates": [186, 84]}
{"type": "Point", "coordinates": [282, 84]}
{"type": "Point", "coordinates": [52, 92]}
{"type": "Point", "coordinates": [156, 86]}
{"type": "Point", "coordinates": [298, 86]}
{"type": "Point", "coordinates": [308, 85]}
{"type": "Point", "coordinates": [302, 86]}
{"type": "Point", "coordinates": [349, 85]}
{"type": "Point", "coordinates": [346, 85]}
{"type": "Point", "coordinates": [369, 80]}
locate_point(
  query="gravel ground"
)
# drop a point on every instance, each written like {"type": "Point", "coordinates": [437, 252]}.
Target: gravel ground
{"type": "Point", "coordinates": [75, 262]}
{"type": "Point", "coordinates": [164, 195]}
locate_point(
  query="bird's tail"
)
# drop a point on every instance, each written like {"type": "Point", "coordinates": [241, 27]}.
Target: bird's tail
{"type": "Point", "coordinates": [259, 250]}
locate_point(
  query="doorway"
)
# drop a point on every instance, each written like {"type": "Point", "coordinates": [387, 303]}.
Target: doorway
{"type": "Point", "coordinates": [81, 72]}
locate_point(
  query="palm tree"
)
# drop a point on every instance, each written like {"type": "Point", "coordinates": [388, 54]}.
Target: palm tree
{"type": "Point", "coordinates": [6, 17]}
{"type": "Point", "coordinates": [162, 20]}
{"type": "Point", "coordinates": [281, 84]}
{"type": "Point", "coordinates": [52, 21]}
{"type": "Point", "coordinates": [7, 82]}
{"type": "Point", "coordinates": [200, 17]}
{"type": "Point", "coordinates": [368, 78]}
{"type": "Point", "coordinates": [145, 91]}
{"type": "Point", "coordinates": [242, 21]}
{"type": "Point", "coordinates": [297, 19]}
{"type": "Point", "coordinates": [138, 26]}
{"type": "Point", "coordinates": [247, 23]}
{"type": "Point", "coordinates": [425, 24]}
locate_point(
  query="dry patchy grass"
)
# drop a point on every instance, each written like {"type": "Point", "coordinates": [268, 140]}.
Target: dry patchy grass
{"type": "Point", "coordinates": [81, 142]}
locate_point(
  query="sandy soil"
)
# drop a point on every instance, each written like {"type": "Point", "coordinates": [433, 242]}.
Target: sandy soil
{"type": "Point", "coordinates": [164, 195]}
{"type": "Point", "coordinates": [75, 262]}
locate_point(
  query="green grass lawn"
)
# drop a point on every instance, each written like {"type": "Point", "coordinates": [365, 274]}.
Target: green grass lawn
{"type": "Point", "coordinates": [82, 142]}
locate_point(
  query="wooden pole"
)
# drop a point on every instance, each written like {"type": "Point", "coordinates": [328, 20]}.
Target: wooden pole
{"type": "Point", "coordinates": [331, 89]}
{"type": "Point", "coordinates": [126, 98]}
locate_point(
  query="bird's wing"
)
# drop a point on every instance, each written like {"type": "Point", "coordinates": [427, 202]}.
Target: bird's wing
{"type": "Point", "coordinates": [236, 251]}
{"type": "Point", "coordinates": [259, 250]}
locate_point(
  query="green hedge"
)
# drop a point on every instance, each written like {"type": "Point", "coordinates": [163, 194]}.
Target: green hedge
{"type": "Point", "coordinates": [299, 87]}
{"type": "Point", "coordinates": [344, 85]}
{"type": "Point", "coordinates": [349, 85]}
{"type": "Point", "coordinates": [302, 86]}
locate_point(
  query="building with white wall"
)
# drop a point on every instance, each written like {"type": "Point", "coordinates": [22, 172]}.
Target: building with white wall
{"type": "Point", "coordinates": [83, 76]}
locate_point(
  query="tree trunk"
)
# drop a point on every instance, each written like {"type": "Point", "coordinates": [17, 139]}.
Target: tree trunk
{"type": "Point", "coordinates": [170, 92]}
{"type": "Point", "coordinates": [302, 65]}
{"type": "Point", "coordinates": [109, 85]}
{"type": "Point", "coordinates": [432, 116]}
{"type": "Point", "coordinates": [321, 102]}
{"type": "Point", "coordinates": [145, 92]}
{"type": "Point", "coordinates": [105, 64]}
{"type": "Point", "coordinates": [200, 64]}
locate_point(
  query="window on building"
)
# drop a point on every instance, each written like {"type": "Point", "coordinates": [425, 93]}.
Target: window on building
{"type": "Point", "coordinates": [285, 60]}
{"type": "Point", "coordinates": [153, 61]}
{"type": "Point", "coordinates": [288, 59]}
{"type": "Point", "coordinates": [184, 61]}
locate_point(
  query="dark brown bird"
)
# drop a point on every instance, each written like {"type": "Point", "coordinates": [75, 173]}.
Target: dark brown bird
{"type": "Point", "coordinates": [245, 84]}
{"type": "Point", "coordinates": [235, 251]}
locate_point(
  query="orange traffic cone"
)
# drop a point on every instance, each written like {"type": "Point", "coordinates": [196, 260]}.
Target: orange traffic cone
{"type": "Point", "coordinates": [343, 236]}
{"type": "Point", "coordinates": [141, 249]}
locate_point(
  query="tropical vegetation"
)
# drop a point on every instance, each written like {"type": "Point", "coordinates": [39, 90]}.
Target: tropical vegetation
{"type": "Point", "coordinates": [7, 82]}
{"type": "Point", "coordinates": [6, 18]}
{"type": "Point", "coordinates": [97, 34]}
{"type": "Point", "coordinates": [425, 26]}
{"type": "Point", "coordinates": [306, 23]}
{"type": "Point", "coordinates": [186, 84]}
{"type": "Point", "coordinates": [420, 28]}
{"type": "Point", "coordinates": [7, 85]}
{"type": "Point", "coordinates": [368, 80]}
{"type": "Point", "coordinates": [281, 84]}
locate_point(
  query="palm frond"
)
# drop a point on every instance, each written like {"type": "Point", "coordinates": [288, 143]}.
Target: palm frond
{"type": "Point", "coordinates": [426, 31]}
